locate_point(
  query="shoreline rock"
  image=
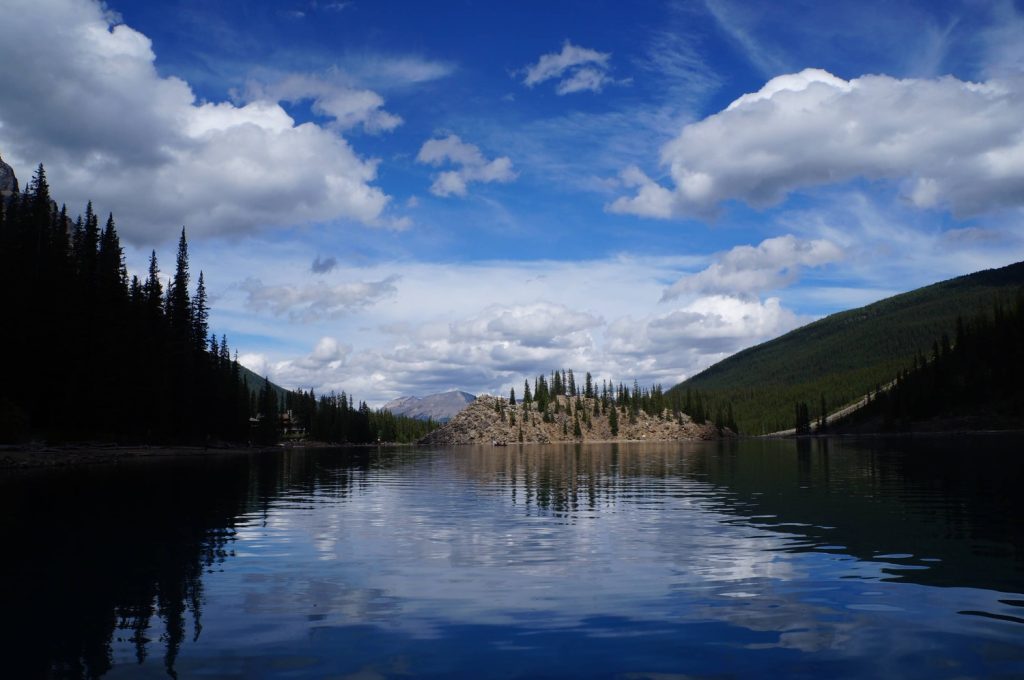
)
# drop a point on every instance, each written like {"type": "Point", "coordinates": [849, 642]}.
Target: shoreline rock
{"type": "Point", "coordinates": [492, 420]}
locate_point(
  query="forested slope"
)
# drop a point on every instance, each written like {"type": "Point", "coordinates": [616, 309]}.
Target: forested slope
{"type": "Point", "coordinates": [843, 356]}
{"type": "Point", "coordinates": [94, 355]}
{"type": "Point", "coordinates": [974, 380]}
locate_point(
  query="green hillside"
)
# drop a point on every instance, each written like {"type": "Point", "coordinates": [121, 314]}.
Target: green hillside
{"type": "Point", "coordinates": [845, 355]}
{"type": "Point", "coordinates": [254, 382]}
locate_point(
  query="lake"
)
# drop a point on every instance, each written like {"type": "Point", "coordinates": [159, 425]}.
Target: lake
{"type": "Point", "coordinates": [832, 557]}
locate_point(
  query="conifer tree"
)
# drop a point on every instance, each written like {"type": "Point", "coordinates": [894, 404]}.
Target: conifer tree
{"type": "Point", "coordinates": [200, 315]}
{"type": "Point", "coordinates": [179, 309]}
{"type": "Point", "coordinates": [152, 288]}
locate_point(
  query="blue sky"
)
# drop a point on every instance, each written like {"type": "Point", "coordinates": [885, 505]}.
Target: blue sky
{"type": "Point", "coordinates": [399, 198]}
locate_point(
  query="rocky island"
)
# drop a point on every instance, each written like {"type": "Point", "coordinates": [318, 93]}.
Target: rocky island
{"type": "Point", "coordinates": [493, 420]}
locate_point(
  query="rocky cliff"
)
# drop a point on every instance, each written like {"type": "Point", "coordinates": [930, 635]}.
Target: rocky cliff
{"type": "Point", "coordinates": [8, 182]}
{"type": "Point", "coordinates": [493, 420]}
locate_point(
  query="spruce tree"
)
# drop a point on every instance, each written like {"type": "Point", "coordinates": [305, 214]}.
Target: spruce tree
{"type": "Point", "coordinates": [200, 315]}
{"type": "Point", "coordinates": [179, 308]}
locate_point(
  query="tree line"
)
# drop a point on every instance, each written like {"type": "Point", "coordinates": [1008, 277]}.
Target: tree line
{"type": "Point", "coordinates": [616, 400]}
{"type": "Point", "coordinates": [977, 373]}
{"type": "Point", "coordinates": [93, 354]}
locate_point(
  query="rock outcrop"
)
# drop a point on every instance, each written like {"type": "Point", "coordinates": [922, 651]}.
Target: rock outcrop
{"type": "Point", "coordinates": [492, 420]}
{"type": "Point", "coordinates": [8, 181]}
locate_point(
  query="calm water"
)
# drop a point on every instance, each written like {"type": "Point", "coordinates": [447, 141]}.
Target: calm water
{"type": "Point", "coordinates": [831, 558]}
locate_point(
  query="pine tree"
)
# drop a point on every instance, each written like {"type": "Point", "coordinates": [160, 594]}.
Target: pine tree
{"type": "Point", "coordinates": [111, 272]}
{"type": "Point", "coordinates": [200, 315]}
{"type": "Point", "coordinates": [152, 288]}
{"type": "Point", "coordinates": [179, 308]}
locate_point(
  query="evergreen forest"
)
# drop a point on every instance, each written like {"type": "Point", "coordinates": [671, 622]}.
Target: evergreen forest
{"type": "Point", "coordinates": [975, 378]}
{"type": "Point", "coordinates": [611, 399]}
{"type": "Point", "coordinates": [825, 365]}
{"type": "Point", "coordinates": [97, 356]}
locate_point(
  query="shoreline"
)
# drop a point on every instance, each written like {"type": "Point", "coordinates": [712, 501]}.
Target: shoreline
{"type": "Point", "coordinates": [15, 457]}
{"type": "Point", "coordinates": [37, 456]}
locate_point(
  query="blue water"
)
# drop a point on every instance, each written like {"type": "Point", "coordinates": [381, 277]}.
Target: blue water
{"type": "Point", "coordinates": [748, 559]}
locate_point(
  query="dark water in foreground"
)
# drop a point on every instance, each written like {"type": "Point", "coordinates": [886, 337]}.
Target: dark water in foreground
{"type": "Point", "coordinates": [830, 558]}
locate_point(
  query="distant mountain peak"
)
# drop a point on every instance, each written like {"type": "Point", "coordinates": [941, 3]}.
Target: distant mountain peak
{"type": "Point", "coordinates": [440, 407]}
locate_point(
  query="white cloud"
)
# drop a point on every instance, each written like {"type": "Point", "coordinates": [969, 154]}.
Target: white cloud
{"type": "Point", "coordinates": [705, 330]}
{"type": "Point", "coordinates": [91, 106]}
{"type": "Point", "coordinates": [473, 166]}
{"type": "Point", "coordinates": [387, 72]}
{"type": "Point", "coordinates": [443, 329]}
{"type": "Point", "coordinates": [540, 324]}
{"type": "Point", "coordinates": [650, 200]}
{"type": "Point", "coordinates": [774, 263]}
{"type": "Point", "coordinates": [951, 143]}
{"type": "Point", "coordinates": [333, 95]}
{"type": "Point", "coordinates": [578, 69]}
{"type": "Point", "coordinates": [583, 80]}
{"type": "Point", "coordinates": [316, 301]}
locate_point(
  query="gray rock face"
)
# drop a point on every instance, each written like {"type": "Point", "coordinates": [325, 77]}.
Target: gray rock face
{"type": "Point", "coordinates": [439, 407]}
{"type": "Point", "coordinates": [8, 182]}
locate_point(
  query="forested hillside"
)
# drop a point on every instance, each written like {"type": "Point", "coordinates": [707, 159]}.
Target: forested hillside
{"type": "Point", "coordinates": [844, 356]}
{"type": "Point", "coordinates": [975, 378]}
{"type": "Point", "coordinates": [93, 355]}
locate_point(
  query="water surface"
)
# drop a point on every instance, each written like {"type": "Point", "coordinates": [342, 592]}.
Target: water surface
{"type": "Point", "coordinates": [755, 558]}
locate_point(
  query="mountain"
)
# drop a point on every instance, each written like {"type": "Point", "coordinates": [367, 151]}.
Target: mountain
{"type": "Point", "coordinates": [439, 407]}
{"type": "Point", "coordinates": [254, 381]}
{"type": "Point", "coordinates": [8, 182]}
{"type": "Point", "coordinates": [838, 359]}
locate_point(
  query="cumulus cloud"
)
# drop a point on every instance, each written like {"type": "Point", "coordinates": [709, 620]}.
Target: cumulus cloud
{"type": "Point", "coordinates": [316, 301]}
{"type": "Point", "coordinates": [774, 263]}
{"type": "Point", "coordinates": [333, 96]}
{"type": "Point", "coordinates": [91, 105]}
{"type": "Point", "coordinates": [541, 324]}
{"type": "Point", "coordinates": [472, 165]}
{"type": "Point", "coordinates": [576, 68]}
{"type": "Point", "coordinates": [701, 332]}
{"type": "Point", "coordinates": [426, 348]}
{"type": "Point", "coordinates": [947, 142]}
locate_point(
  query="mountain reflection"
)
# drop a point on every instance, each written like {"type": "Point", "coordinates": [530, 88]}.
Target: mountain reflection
{"type": "Point", "coordinates": [938, 511]}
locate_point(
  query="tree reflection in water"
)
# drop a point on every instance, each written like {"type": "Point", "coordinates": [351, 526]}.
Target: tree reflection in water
{"type": "Point", "coordinates": [108, 553]}
{"type": "Point", "coordinates": [99, 560]}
